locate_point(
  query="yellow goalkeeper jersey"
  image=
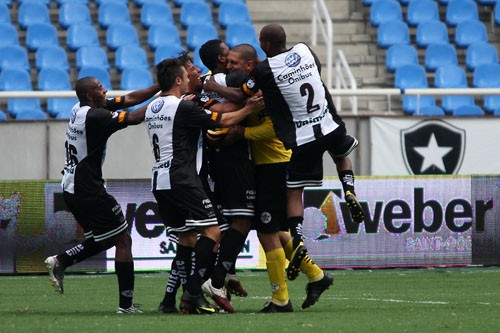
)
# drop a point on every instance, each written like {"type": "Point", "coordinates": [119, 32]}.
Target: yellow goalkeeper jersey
{"type": "Point", "coordinates": [265, 145]}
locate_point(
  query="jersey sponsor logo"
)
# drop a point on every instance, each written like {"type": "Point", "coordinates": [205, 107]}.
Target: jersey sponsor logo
{"type": "Point", "coordinates": [265, 217]}
{"type": "Point", "coordinates": [433, 147]}
{"type": "Point", "coordinates": [292, 60]}
{"type": "Point", "coordinates": [164, 165]}
{"type": "Point", "coordinates": [250, 83]}
{"type": "Point", "coordinates": [157, 105]}
{"type": "Point", "coordinates": [301, 73]}
{"type": "Point", "coordinates": [314, 120]}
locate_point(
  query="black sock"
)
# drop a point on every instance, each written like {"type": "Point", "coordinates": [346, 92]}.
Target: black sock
{"type": "Point", "coordinates": [210, 268]}
{"type": "Point", "coordinates": [181, 265]}
{"type": "Point", "coordinates": [125, 274]}
{"type": "Point", "coordinates": [88, 248]}
{"type": "Point", "coordinates": [347, 179]}
{"type": "Point", "coordinates": [295, 224]}
{"type": "Point", "coordinates": [230, 247]}
{"type": "Point", "coordinates": [203, 254]}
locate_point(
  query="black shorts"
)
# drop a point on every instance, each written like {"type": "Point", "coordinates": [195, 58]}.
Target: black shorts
{"type": "Point", "coordinates": [185, 208]}
{"type": "Point", "coordinates": [306, 163]}
{"type": "Point", "coordinates": [234, 186]}
{"type": "Point", "coordinates": [270, 207]}
{"type": "Point", "coordinates": [99, 216]}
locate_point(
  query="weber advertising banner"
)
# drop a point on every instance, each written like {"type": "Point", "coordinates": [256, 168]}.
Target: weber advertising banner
{"type": "Point", "coordinates": [415, 146]}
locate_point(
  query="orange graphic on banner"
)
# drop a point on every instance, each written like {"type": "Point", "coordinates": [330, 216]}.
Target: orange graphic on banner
{"type": "Point", "coordinates": [331, 220]}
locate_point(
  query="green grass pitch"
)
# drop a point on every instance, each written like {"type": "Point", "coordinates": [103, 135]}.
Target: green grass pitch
{"type": "Point", "coordinates": [389, 300]}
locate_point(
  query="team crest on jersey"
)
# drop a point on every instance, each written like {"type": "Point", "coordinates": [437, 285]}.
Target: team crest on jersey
{"type": "Point", "coordinates": [204, 99]}
{"type": "Point", "coordinates": [250, 83]}
{"type": "Point", "coordinates": [292, 60]}
{"type": "Point", "coordinates": [433, 147]}
{"type": "Point", "coordinates": [157, 105]}
{"type": "Point", "coordinates": [73, 115]}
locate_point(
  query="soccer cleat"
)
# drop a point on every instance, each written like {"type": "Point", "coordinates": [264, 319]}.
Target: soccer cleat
{"type": "Point", "coordinates": [271, 307]}
{"type": "Point", "coordinates": [167, 309]}
{"type": "Point", "coordinates": [233, 286]}
{"type": "Point", "coordinates": [355, 208]}
{"type": "Point", "coordinates": [134, 308]}
{"type": "Point", "coordinates": [315, 289]}
{"type": "Point", "coordinates": [218, 295]}
{"type": "Point", "coordinates": [293, 269]}
{"type": "Point", "coordinates": [56, 273]}
{"type": "Point", "coordinates": [195, 304]}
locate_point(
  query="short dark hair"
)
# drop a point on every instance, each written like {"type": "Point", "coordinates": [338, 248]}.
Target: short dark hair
{"type": "Point", "coordinates": [209, 52]}
{"type": "Point", "coordinates": [184, 58]}
{"type": "Point", "coordinates": [83, 86]}
{"type": "Point", "coordinates": [167, 71]}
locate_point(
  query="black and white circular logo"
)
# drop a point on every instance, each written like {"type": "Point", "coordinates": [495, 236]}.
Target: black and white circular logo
{"type": "Point", "coordinates": [156, 107]}
{"type": "Point", "coordinates": [292, 60]}
{"type": "Point", "coordinates": [250, 83]}
{"type": "Point", "coordinates": [266, 217]}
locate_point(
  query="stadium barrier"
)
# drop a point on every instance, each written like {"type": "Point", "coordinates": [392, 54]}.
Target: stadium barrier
{"type": "Point", "coordinates": [410, 222]}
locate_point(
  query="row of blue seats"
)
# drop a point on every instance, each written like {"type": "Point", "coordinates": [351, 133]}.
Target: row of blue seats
{"type": "Point", "coordinates": [441, 2]}
{"type": "Point", "coordinates": [138, 3]}
{"type": "Point", "coordinates": [57, 79]}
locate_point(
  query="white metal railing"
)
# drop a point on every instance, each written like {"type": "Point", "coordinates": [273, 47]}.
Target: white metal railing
{"type": "Point", "coordinates": [340, 81]}
{"type": "Point", "coordinates": [321, 17]}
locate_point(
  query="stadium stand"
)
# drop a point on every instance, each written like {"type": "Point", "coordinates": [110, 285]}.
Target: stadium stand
{"type": "Point", "coordinates": [74, 13]}
{"type": "Point", "coordinates": [198, 33]}
{"type": "Point", "coordinates": [238, 33]}
{"type": "Point", "coordinates": [81, 34]}
{"type": "Point", "coordinates": [98, 72]}
{"type": "Point", "coordinates": [195, 12]}
{"type": "Point", "coordinates": [4, 13]}
{"type": "Point", "coordinates": [51, 56]}
{"type": "Point", "coordinates": [413, 76]}
{"type": "Point", "coordinates": [167, 51]}
{"type": "Point", "coordinates": [437, 55]}
{"type": "Point", "coordinates": [421, 11]}
{"type": "Point", "coordinates": [130, 56]}
{"type": "Point", "coordinates": [431, 32]}
{"type": "Point", "coordinates": [452, 76]}
{"type": "Point", "coordinates": [41, 34]}
{"type": "Point", "coordinates": [135, 78]}
{"type": "Point", "coordinates": [469, 32]}
{"type": "Point", "coordinates": [480, 54]}
{"type": "Point", "coordinates": [14, 56]}
{"type": "Point", "coordinates": [232, 13]}
{"type": "Point", "coordinates": [8, 34]}
{"type": "Point", "coordinates": [385, 11]}
{"type": "Point", "coordinates": [162, 34]}
{"type": "Point", "coordinates": [459, 11]}
{"type": "Point", "coordinates": [91, 56]}
{"type": "Point", "coordinates": [393, 32]}
{"type": "Point", "coordinates": [488, 76]}
{"type": "Point", "coordinates": [155, 13]}
{"type": "Point", "coordinates": [119, 34]}
{"type": "Point", "coordinates": [31, 12]}
{"type": "Point", "coordinates": [113, 12]}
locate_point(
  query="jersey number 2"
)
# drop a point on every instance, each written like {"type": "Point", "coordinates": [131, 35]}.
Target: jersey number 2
{"type": "Point", "coordinates": [307, 90]}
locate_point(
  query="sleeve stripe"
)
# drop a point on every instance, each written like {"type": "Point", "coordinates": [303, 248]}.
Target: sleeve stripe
{"type": "Point", "coordinates": [214, 116]}
{"type": "Point", "coordinates": [246, 90]}
{"type": "Point", "coordinates": [121, 117]}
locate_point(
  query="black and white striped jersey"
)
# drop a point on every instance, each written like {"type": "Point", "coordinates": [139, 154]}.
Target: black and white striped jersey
{"type": "Point", "coordinates": [174, 127]}
{"type": "Point", "coordinates": [296, 99]}
{"type": "Point", "coordinates": [86, 136]}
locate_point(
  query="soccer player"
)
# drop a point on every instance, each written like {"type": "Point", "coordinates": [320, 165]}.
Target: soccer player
{"type": "Point", "coordinates": [92, 122]}
{"type": "Point", "coordinates": [174, 128]}
{"type": "Point", "coordinates": [271, 160]}
{"type": "Point", "coordinates": [232, 171]}
{"type": "Point", "coordinates": [306, 121]}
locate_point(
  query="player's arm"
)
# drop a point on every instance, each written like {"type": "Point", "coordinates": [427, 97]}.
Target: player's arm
{"type": "Point", "coordinates": [233, 94]}
{"type": "Point", "coordinates": [254, 104]}
{"type": "Point", "coordinates": [137, 116]}
{"type": "Point", "coordinates": [138, 96]}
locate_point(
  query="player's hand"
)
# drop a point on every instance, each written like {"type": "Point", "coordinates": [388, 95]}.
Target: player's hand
{"type": "Point", "coordinates": [234, 134]}
{"type": "Point", "coordinates": [210, 84]}
{"type": "Point", "coordinates": [189, 97]}
{"type": "Point", "coordinates": [255, 103]}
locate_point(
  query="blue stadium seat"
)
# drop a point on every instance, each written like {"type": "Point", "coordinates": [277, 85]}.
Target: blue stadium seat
{"type": "Point", "coordinates": [98, 72]}
{"type": "Point", "coordinates": [102, 2]}
{"type": "Point", "coordinates": [31, 114]}
{"type": "Point", "coordinates": [13, 79]}
{"type": "Point", "coordinates": [469, 32]}
{"type": "Point", "coordinates": [487, 2]}
{"type": "Point", "coordinates": [444, 2]}
{"type": "Point", "coordinates": [452, 76]}
{"type": "Point", "coordinates": [57, 107]}
{"type": "Point", "coordinates": [368, 2]}
{"type": "Point", "coordinates": [14, 56]}
{"type": "Point", "coordinates": [7, 2]}
{"type": "Point", "coordinates": [32, 12]}
{"type": "Point", "coordinates": [161, 34]}
{"type": "Point", "coordinates": [217, 3]}
{"type": "Point", "coordinates": [53, 79]}
{"type": "Point", "coordinates": [43, 2]}
{"type": "Point", "coordinates": [62, 2]}
{"type": "Point", "coordinates": [479, 54]}
{"type": "Point", "coordinates": [134, 78]}
{"type": "Point", "coordinates": [459, 11]}
{"type": "Point", "coordinates": [51, 56]}
{"type": "Point", "coordinates": [79, 35]}
{"type": "Point", "coordinates": [488, 76]}
{"type": "Point", "coordinates": [140, 3]}
{"type": "Point", "coordinates": [167, 51]}
{"type": "Point", "coordinates": [496, 14]}
{"type": "Point", "coordinates": [3, 116]}
{"type": "Point", "coordinates": [8, 34]}
{"type": "Point", "coordinates": [199, 33]}
{"type": "Point", "coordinates": [391, 33]}
{"type": "Point", "coordinates": [111, 13]}
{"type": "Point", "coordinates": [384, 11]}
{"type": "Point", "coordinates": [130, 56]}
{"type": "Point", "coordinates": [239, 33]}
{"type": "Point", "coordinates": [421, 11]}
{"type": "Point", "coordinates": [468, 111]}
{"type": "Point", "coordinates": [155, 13]}
{"type": "Point", "coordinates": [179, 3]}
{"type": "Point", "coordinates": [4, 13]}
{"type": "Point", "coordinates": [74, 13]}
{"type": "Point", "coordinates": [41, 34]}
{"type": "Point", "coordinates": [431, 32]}
{"type": "Point", "coordinates": [195, 12]}
{"type": "Point", "coordinates": [91, 56]}
{"type": "Point", "coordinates": [119, 34]}
{"type": "Point", "coordinates": [431, 111]}
{"type": "Point", "coordinates": [399, 55]}
{"type": "Point", "coordinates": [437, 55]}
{"type": "Point", "coordinates": [233, 12]}
{"type": "Point", "coordinates": [413, 76]}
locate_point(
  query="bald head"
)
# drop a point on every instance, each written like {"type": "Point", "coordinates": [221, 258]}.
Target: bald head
{"type": "Point", "coordinates": [272, 39]}
{"type": "Point", "coordinates": [85, 85]}
{"type": "Point", "coordinates": [246, 51]}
